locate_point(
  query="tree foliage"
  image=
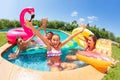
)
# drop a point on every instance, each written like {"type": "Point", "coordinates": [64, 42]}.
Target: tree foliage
{"type": "Point", "coordinates": [100, 33]}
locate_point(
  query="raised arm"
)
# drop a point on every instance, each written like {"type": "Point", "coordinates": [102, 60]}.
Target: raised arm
{"type": "Point", "coordinates": [81, 29]}
{"type": "Point", "coordinates": [28, 40]}
{"type": "Point", "coordinates": [29, 25]}
{"type": "Point", "coordinates": [44, 23]}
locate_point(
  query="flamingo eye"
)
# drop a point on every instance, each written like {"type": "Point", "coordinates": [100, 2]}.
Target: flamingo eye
{"type": "Point", "coordinates": [30, 8]}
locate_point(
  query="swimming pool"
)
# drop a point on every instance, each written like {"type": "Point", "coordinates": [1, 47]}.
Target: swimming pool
{"type": "Point", "coordinates": [38, 60]}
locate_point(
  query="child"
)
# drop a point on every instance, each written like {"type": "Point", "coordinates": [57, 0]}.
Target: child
{"type": "Point", "coordinates": [22, 45]}
{"type": "Point", "coordinates": [54, 49]}
{"type": "Point", "coordinates": [48, 35]}
{"type": "Point", "coordinates": [91, 42]}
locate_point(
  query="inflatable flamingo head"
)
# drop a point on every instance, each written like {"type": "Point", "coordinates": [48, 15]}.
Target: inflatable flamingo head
{"type": "Point", "coordinates": [29, 10]}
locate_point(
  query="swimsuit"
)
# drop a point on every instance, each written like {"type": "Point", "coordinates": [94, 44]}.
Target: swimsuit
{"type": "Point", "coordinates": [53, 53]}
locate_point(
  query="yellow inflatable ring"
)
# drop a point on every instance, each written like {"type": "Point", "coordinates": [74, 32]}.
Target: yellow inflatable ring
{"type": "Point", "coordinates": [80, 38]}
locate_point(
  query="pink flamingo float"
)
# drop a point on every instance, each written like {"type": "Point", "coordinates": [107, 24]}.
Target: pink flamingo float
{"type": "Point", "coordinates": [24, 32]}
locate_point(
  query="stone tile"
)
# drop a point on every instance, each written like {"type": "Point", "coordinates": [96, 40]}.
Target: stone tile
{"type": "Point", "coordinates": [4, 47]}
{"type": "Point", "coordinates": [5, 70]}
{"type": "Point", "coordinates": [52, 76]}
{"type": "Point", "coordinates": [20, 73]}
{"type": "Point", "coordinates": [1, 59]}
{"type": "Point", "coordinates": [85, 73]}
{"type": "Point", "coordinates": [71, 75]}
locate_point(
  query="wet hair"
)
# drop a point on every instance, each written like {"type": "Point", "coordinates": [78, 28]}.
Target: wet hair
{"type": "Point", "coordinates": [18, 38]}
{"type": "Point", "coordinates": [94, 38]}
{"type": "Point", "coordinates": [50, 32]}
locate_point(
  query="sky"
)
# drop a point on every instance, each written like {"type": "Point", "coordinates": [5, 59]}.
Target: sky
{"type": "Point", "coordinates": [102, 13]}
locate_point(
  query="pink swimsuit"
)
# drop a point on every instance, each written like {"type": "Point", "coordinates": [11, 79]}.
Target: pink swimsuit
{"type": "Point", "coordinates": [53, 53]}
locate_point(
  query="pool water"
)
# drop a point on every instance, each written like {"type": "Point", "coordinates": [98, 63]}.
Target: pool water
{"type": "Point", "coordinates": [61, 34]}
{"type": "Point", "coordinates": [32, 61]}
{"type": "Point", "coordinates": [37, 60]}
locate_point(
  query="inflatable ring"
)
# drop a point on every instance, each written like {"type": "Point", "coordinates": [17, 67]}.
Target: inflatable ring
{"type": "Point", "coordinates": [25, 33]}
{"type": "Point", "coordinates": [13, 33]}
{"type": "Point", "coordinates": [31, 50]}
{"type": "Point", "coordinates": [72, 45]}
{"type": "Point", "coordinates": [80, 38]}
{"type": "Point", "coordinates": [104, 46]}
{"type": "Point", "coordinates": [101, 63]}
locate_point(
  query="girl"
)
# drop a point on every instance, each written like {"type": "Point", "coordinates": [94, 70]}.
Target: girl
{"type": "Point", "coordinates": [48, 35]}
{"type": "Point", "coordinates": [91, 42]}
{"type": "Point", "coordinates": [54, 48]}
{"type": "Point", "coordinates": [22, 45]}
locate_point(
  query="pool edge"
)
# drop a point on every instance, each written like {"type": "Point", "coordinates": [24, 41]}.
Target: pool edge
{"type": "Point", "coordinates": [9, 71]}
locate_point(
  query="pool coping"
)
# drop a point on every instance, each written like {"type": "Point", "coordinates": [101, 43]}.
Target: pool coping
{"type": "Point", "coordinates": [9, 71]}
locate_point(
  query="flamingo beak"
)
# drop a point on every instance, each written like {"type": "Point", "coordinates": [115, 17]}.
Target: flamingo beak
{"type": "Point", "coordinates": [32, 16]}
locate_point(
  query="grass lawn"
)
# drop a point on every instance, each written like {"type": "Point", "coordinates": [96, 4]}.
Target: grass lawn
{"type": "Point", "coordinates": [3, 38]}
{"type": "Point", "coordinates": [113, 73]}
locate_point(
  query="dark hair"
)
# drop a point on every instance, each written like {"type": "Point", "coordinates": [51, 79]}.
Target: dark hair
{"type": "Point", "coordinates": [18, 38]}
{"type": "Point", "coordinates": [50, 32]}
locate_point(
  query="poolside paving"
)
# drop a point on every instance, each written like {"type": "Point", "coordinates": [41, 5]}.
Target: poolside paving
{"type": "Point", "coordinates": [9, 71]}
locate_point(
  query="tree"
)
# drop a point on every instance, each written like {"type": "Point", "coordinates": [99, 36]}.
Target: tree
{"type": "Point", "coordinates": [4, 23]}
{"type": "Point", "coordinates": [111, 36]}
{"type": "Point", "coordinates": [118, 39]}
{"type": "Point", "coordinates": [100, 33]}
{"type": "Point", "coordinates": [74, 23]}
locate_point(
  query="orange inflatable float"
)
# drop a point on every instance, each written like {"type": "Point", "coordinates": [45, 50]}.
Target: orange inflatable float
{"type": "Point", "coordinates": [101, 63]}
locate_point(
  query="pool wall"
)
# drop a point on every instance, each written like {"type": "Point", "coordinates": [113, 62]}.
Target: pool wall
{"type": "Point", "coordinates": [9, 71]}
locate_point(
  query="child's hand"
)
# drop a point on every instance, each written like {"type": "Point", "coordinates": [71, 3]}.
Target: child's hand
{"type": "Point", "coordinates": [82, 28]}
{"type": "Point", "coordinates": [44, 22]}
{"type": "Point", "coordinates": [12, 56]}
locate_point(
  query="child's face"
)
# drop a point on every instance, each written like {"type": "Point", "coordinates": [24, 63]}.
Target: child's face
{"type": "Point", "coordinates": [91, 42]}
{"type": "Point", "coordinates": [20, 41]}
{"type": "Point", "coordinates": [55, 40]}
{"type": "Point", "coordinates": [49, 36]}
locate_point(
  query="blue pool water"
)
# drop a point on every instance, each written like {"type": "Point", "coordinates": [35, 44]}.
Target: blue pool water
{"type": "Point", "coordinates": [38, 60]}
{"type": "Point", "coordinates": [61, 34]}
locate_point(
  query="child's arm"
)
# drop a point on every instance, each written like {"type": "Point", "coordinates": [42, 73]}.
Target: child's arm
{"type": "Point", "coordinates": [72, 36]}
{"type": "Point", "coordinates": [28, 40]}
{"type": "Point", "coordinates": [13, 56]}
{"type": "Point", "coordinates": [18, 52]}
{"type": "Point", "coordinates": [44, 22]}
{"type": "Point", "coordinates": [29, 25]}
